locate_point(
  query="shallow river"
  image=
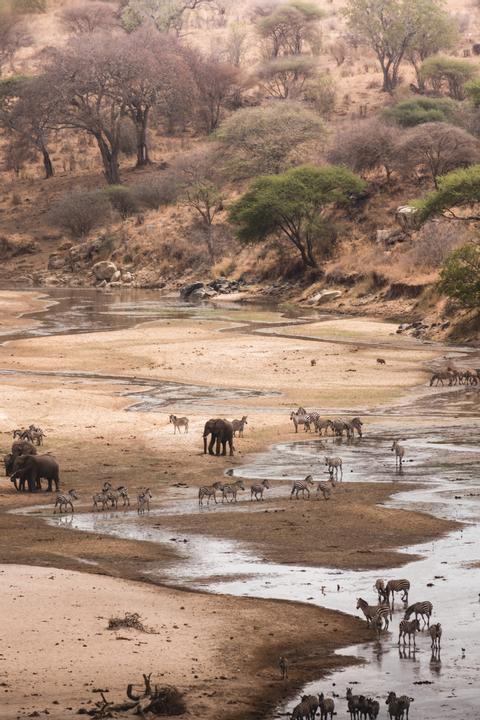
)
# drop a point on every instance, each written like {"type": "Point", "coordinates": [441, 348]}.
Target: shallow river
{"type": "Point", "coordinates": [445, 458]}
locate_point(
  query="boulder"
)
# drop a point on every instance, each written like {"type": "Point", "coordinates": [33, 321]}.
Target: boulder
{"type": "Point", "coordinates": [116, 276]}
{"type": "Point", "coordinates": [389, 237]}
{"type": "Point", "coordinates": [104, 270]}
{"type": "Point", "coordinates": [187, 290]}
{"type": "Point", "coordinates": [56, 261]}
{"type": "Point", "coordinates": [324, 296]}
{"type": "Point", "coordinates": [406, 216]}
{"type": "Point", "coordinates": [127, 277]}
{"type": "Point", "coordinates": [202, 293]}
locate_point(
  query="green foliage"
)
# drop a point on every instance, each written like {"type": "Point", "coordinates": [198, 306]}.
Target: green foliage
{"type": "Point", "coordinates": [294, 206]}
{"type": "Point", "coordinates": [447, 75]}
{"type": "Point", "coordinates": [419, 110]}
{"type": "Point", "coordinates": [289, 28]}
{"type": "Point", "coordinates": [29, 6]}
{"type": "Point", "coordinates": [285, 76]}
{"type": "Point", "coordinates": [460, 276]}
{"type": "Point", "coordinates": [122, 199]}
{"type": "Point", "coordinates": [264, 139]}
{"type": "Point", "coordinates": [456, 189]}
{"type": "Point", "coordinates": [472, 88]}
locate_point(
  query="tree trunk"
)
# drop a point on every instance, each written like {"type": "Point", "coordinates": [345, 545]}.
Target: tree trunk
{"type": "Point", "coordinates": [110, 162]}
{"type": "Point", "coordinates": [210, 242]}
{"type": "Point", "coordinates": [141, 123]}
{"type": "Point", "coordinates": [47, 163]}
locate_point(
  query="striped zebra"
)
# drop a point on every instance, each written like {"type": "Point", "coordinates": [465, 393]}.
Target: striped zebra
{"type": "Point", "coordinates": [301, 417]}
{"type": "Point", "coordinates": [232, 489]}
{"type": "Point", "coordinates": [339, 427]}
{"type": "Point", "coordinates": [374, 612]}
{"type": "Point", "coordinates": [179, 423]}
{"type": "Point", "coordinates": [325, 489]}
{"type": "Point", "coordinates": [258, 490]}
{"type": "Point", "coordinates": [381, 590]}
{"type": "Point", "coordinates": [209, 491]}
{"type": "Point", "coordinates": [408, 627]}
{"type": "Point", "coordinates": [115, 495]}
{"type": "Point", "coordinates": [398, 707]}
{"type": "Point", "coordinates": [399, 453]}
{"type": "Point", "coordinates": [143, 500]}
{"type": "Point", "coordinates": [100, 498]}
{"type": "Point", "coordinates": [63, 501]}
{"type": "Point", "coordinates": [435, 632]}
{"type": "Point", "coordinates": [333, 464]}
{"type": "Point", "coordinates": [424, 609]}
{"type": "Point", "coordinates": [301, 486]}
{"type": "Point", "coordinates": [238, 426]}
{"type": "Point", "coordinates": [395, 586]}
{"type": "Point", "coordinates": [324, 425]}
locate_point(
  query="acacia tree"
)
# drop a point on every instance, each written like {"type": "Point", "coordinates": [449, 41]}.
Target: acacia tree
{"type": "Point", "coordinates": [266, 139]}
{"type": "Point", "coordinates": [286, 76]}
{"type": "Point", "coordinates": [14, 34]}
{"type": "Point", "coordinates": [27, 112]}
{"type": "Point", "coordinates": [460, 276]}
{"type": "Point", "coordinates": [295, 206]}
{"type": "Point", "coordinates": [166, 15]}
{"type": "Point", "coordinates": [289, 28]}
{"type": "Point", "coordinates": [437, 31]}
{"type": "Point", "coordinates": [458, 189]}
{"type": "Point", "coordinates": [437, 148]}
{"type": "Point", "coordinates": [159, 78]}
{"type": "Point", "coordinates": [393, 28]}
{"type": "Point", "coordinates": [447, 75]}
{"type": "Point", "coordinates": [88, 80]}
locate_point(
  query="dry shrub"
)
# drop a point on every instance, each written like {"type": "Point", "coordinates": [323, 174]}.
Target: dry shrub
{"type": "Point", "coordinates": [156, 191]}
{"type": "Point", "coordinates": [130, 620]}
{"type": "Point", "coordinates": [434, 242]}
{"type": "Point", "coordinates": [79, 211]}
{"type": "Point", "coordinates": [122, 200]}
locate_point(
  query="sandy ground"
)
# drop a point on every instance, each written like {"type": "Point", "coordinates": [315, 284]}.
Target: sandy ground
{"type": "Point", "coordinates": [95, 440]}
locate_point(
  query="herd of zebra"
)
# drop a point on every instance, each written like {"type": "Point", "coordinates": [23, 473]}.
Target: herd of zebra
{"type": "Point", "coordinates": [32, 434]}
{"type": "Point", "coordinates": [107, 499]}
{"type": "Point", "coordinates": [454, 376]}
{"type": "Point", "coordinates": [359, 707]}
{"type": "Point", "coordinates": [323, 425]}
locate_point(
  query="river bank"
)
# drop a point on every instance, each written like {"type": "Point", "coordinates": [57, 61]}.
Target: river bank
{"type": "Point", "coordinates": [96, 440]}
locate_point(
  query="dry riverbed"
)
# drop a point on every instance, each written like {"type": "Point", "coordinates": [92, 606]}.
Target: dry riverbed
{"type": "Point", "coordinates": [95, 440]}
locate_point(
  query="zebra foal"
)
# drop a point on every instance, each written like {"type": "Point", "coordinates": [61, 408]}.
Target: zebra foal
{"type": "Point", "coordinates": [408, 628]}
{"type": "Point", "coordinates": [333, 465]}
{"type": "Point", "coordinates": [232, 489]}
{"type": "Point", "coordinates": [301, 486]}
{"type": "Point", "coordinates": [143, 500]}
{"type": "Point", "coordinates": [179, 423]}
{"type": "Point", "coordinates": [435, 632]}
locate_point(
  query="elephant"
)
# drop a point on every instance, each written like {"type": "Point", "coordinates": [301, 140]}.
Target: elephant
{"type": "Point", "coordinates": [33, 468]}
{"type": "Point", "coordinates": [221, 432]}
{"type": "Point", "coordinates": [19, 447]}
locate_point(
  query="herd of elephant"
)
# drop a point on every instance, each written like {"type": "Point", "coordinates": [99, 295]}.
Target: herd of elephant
{"type": "Point", "coordinates": [26, 468]}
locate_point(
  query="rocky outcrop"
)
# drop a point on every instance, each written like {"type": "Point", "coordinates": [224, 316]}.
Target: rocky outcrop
{"type": "Point", "coordinates": [105, 270]}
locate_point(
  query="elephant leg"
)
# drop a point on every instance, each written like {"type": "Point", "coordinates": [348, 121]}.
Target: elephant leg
{"type": "Point", "coordinates": [230, 443]}
{"type": "Point", "coordinates": [224, 447]}
{"type": "Point", "coordinates": [211, 444]}
{"type": "Point", "coordinates": [32, 483]}
{"type": "Point", "coordinates": [217, 446]}
{"type": "Point", "coordinates": [49, 488]}
{"type": "Point", "coordinates": [56, 480]}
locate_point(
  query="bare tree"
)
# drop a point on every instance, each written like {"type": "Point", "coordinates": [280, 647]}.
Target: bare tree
{"type": "Point", "coordinates": [14, 34]}
{"type": "Point", "coordinates": [88, 80]}
{"type": "Point", "coordinates": [364, 146]}
{"type": "Point", "coordinates": [167, 16]}
{"type": "Point", "coordinates": [217, 87]}
{"type": "Point", "coordinates": [199, 190]}
{"type": "Point", "coordinates": [436, 148]}
{"type": "Point", "coordinates": [87, 17]}
{"type": "Point", "coordinates": [338, 50]}
{"type": "Point", "coordinates": [236, 44]}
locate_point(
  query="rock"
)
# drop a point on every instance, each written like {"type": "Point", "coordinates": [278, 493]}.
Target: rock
{"type": "Point", "coordinates": [104, 270]}
{"type": "Point", "coordinates": [187, 290]}
{"type": "Point", "coordinates": [389, 237]}
{"type": "Point", "coordinates": [202, 293]}
{"type": "Point", "coordinates": [127, 277]}
{"type": "Point", "coordinates": [116, 276]}
{"type": "Point", "coordinates": [324, 296]}
{"type": "Point", "coordinates": [56, 261]}
{"type": "Point", "coordinates": [406, 217]}
{"type": "Point", "coordinates": [51, 281]}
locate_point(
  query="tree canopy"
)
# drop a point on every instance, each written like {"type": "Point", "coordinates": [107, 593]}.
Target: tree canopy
{"type": "Point", "coordinates": [419, 110]}
{"type": "Point", "coordinates": [458, 188]}
{"type": "Point", "coordinates": [446, 75]}
{"type": "Point", "coordinates": [295, 206]}
{"type": "Point", "coordinates": [460, 276]}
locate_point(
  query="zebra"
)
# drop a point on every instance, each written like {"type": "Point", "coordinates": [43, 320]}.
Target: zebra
{"type": "Point", "coordinates": [333, 464]}
{"type": "Point", "coordinates": [207, 491]}
{"type": "Point", "coordinates": [373, 708]}
{"type": "Point", "coordinates": [325, 489]}
{"type": "Point", "coordinates": [301, 711]}
{"type": "Point", "coordinates": [100, 498]}
{"type": "Point", "coordinates": [311, 706]}
{"type": "Point", "coordinates": [301, 486]}
{"type": "Point", "coordinates": [435, 632]}
{"type": "Point", "coordinates": [372, 612]}
{"type": "Point", "coordinates": [408, 627]}
{"type": "Point", "coordinates": [420, 608]}
{"type": "Point", "coordinates": [356, 424]}
{"type": "Point", "coordinates": [381, 590]}
{"type": "Point", "coordinates": [327, 707]}
{"type": "Point", "coordinates": [399, 453]}
{"type": "Point", "coordinates": [441, 376]}
{"type": "Point", "coordinates": [179, 423]}
{"type": "Point", "coordinates": [320, 425]}
{"type": "Point", "coordinates": [339, 427]}
{"type": "Point", "coordinates": [398, 707]}
{"type": "Point", "coordinates": [301, 417]}
{"type": "Point", "coordinates": [394, 586]}
{"type": "Point", "coordinates": [63, 501]}
{"type": "Point", "coordinates": [283, 665]}
{"type": "Point", "coordinates": [232, 489]}
{"type": "Point", "coordinates": [353, 704]}
{"type": "Point", "coordinates": [143, 500]}
{"type": "Point", "coordinates": [256, 490]}
{"type": "Point", "coordinates": [238, 426]}
{"type": "Point", "coordinates": [115, 495]}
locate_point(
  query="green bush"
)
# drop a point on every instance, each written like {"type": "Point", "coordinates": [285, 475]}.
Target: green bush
{"type": "Point", "coordinates": [121, 199]}
{"type": "Point", "coordinates": [418, 111]}
{"type": "Point", "coordinates": [456, 189]}
{"type": "Point", "coordinates": [460, 276]}
{"type": "Point", "coordinates": [446, 75]}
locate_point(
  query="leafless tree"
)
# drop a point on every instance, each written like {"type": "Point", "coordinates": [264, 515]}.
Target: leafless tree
{"type": "Point", "coordinates": [14, 34]}
{"type": "Point", "coordinates": [338, 50]}
{"type": "Point", "coordinates": [436, 148]}
{"type": "Point", "coordinates": [217, 86]}
{"type": "Point", "coordinates": [87, 17]}
{"type": "Point", "coordinates": [364, 146]}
